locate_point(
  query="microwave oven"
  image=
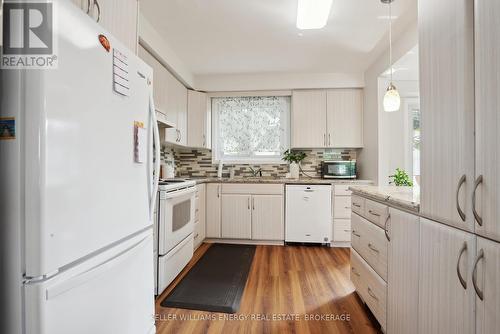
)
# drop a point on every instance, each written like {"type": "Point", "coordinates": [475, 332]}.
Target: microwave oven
{"type": "Point", "coordinates": [338, 169]}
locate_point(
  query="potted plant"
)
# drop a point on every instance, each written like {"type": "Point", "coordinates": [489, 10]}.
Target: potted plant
{"type": "Point", "coordinates": [401, 178]}
{"type": "Point", "coordinates": [294, 159]}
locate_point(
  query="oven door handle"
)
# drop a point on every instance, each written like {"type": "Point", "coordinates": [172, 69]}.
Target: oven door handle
{"type": "Point", "coordinates": [182, 192]}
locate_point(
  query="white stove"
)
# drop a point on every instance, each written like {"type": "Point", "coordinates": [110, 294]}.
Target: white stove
{"type": "Point", "coordinates": [173, 229]}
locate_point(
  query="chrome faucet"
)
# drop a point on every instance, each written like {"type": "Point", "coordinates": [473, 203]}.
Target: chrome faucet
{"type": "Point", "coordinates": [256, 172]}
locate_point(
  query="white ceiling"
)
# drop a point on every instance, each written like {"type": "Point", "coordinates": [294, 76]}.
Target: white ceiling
{"type": "Point", "coordinates": [258, 36]}
{"type": "Point", "coordinates": [405, 68]}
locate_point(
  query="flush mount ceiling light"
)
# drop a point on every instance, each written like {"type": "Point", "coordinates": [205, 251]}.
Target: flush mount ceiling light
{"type": "Point", "coordinates": [313, 14]}
{"type": "Point", "coordinates": [392, 100]}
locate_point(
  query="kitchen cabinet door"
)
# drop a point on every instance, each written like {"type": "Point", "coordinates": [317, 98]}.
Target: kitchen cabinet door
{"type": "Point", "coordinates": [268, 217]}
{"type": "Point", "coordinates": [176, 106]}
{"type": "Point", "coordinates": [487, 281]}
{"type": "Point", "coordinates": [308, 119]}
{"type": "Point", "coordinates": [201, 198]}
{"type": "Point", "coordinates": [487, 48]}
{"type": "Point", "coordinates": [447, 107]}
{"type": "Point", "coordinates": [197, 119]}
{"type": "Point", "coordinates": [236, 219]}
{"type": "Point", "coordinates": [120, 17]}
{"type": "Point", "coordinates": [446, 306]}
{"type": "Point", "coordinates": [402, 275]}
{"type": "Point", "coordinates": [159, 79]}
{"type": "Point", "coordinates": [213, 210]}
{"type": "Point", "coordinates": [344, 118]}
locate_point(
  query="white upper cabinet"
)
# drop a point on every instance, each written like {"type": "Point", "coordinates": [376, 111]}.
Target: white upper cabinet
{"type": "Point", "coordinates": [176, 111]}
{"type": "Point", "coordinates": [308, 119]}
{"type": "Point", "coordinates": [447, 105]}
{"type": "Point", "coordinates": [344, 118]}
{"type": "Point", "coordinates": [486, 278]}
{"type": "Point", "coordinates": [119, 17]}
{"type": "Point", "coordinates": [487, 49]}
{"type": "Point", "coordinates": [327, 118]}
{"type": "Point", "coordinates": [198, 120]}
{"type": "Point", "coordinates": [159, 79]}
{"type": "Point", "coordinates": [446, 296]}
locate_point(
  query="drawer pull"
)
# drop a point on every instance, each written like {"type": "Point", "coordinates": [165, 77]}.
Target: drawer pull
{"type": "Point", "coordinates": [370, 292]}
{"type": "Point", "coordinates": [373, 248]}
{"type": "Point", "coordinates": [459, 274]}
{"type": "Point", "coordinates": [354, 232]}
{"type": "Point", "coordinates": [354, 271]}
{"type": "Point", "coordinates": [373, 213]}
{"type": "Point", "coordinates": [474, 275]}
{"type": "Point", "coordinates": [386, 230]}
{"type": "Point", "coordinates": [347, 207]}
{"type": "Point", "coordinates": [478, 218]}
{"type": "Point", "coordinates": [346, 230]}
{"type": "Point", "coordinates": [356, 205]}
{"type": "Point", "coordinates": [196, 236]}
{"type": "Point", "coordinates": [459, 209]}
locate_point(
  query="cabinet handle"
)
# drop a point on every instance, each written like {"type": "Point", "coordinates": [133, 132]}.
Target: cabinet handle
{"type": "Point", "coordinates": [96, 3]}
{"type": "Point", "coordinates": [196, 236]}
{"type": "Point", "coordinates": [474, 275]}
{"type": "Point", "coordinates": [347, 207]}
{"type": "Point", "coordinates": [346, 230]}
{"type": "Point", "coordinates": [460, 278]}
{"type": "Point", "coordinates": [218, 190]}
{"type": "Point", "coordinates": [204, 140]}
{"type": "Point", "coordinates": [356, 205]}
{"type": "Point", "coordinates": [354, 232]}
{"type": "Point", "coordinates": [478, 218]}
{"type": "Point", "coordinates": [386, 228]}
{"type": "Point", "coordinates": [324, 139]}
{"type": "Point", "coordinates": [248, 203]}
{"type": "Point", "coordinates": [253, 203]}
{"type": "Point", "coordinates": [373, 213]}
{"type": "Point", "coordinates": [88, 7]}
{"type": "Point", "coordinates": [354, 271]}
{"type": "Point", "coordinates": [329, 141]}
{"type": "Point", "coordinates": [370, 292]}
{"type": "Point", "coordinates": [373, 248]}
{"type": "Point", "coordinates": [459, 209]}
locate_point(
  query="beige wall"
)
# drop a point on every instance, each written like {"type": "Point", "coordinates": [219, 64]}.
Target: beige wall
{"type": "Point", "coordinates": [369, 156]}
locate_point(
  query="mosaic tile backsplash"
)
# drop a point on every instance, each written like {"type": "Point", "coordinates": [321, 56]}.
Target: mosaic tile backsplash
{"type": "Point", "coordinates": [198, 163]}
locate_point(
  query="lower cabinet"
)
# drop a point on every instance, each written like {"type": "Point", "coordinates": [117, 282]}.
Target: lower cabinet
{"type": "Point", "coordinates": [267, 217]}
{"type": "Point", "coordinates": [486, 283]}
{"type": "Point", "coordinates": [213, 210]}
{"type": "Point", "coordinates": [236, 222]}
{"type": "Point", "coordinates": [200, 216]}
{"type": "Point", "coordinates": [446, 295]}
{"type": "Point", "coordinates": [402, 272]}
{"type": "Point", "coordinates": [245, 211]}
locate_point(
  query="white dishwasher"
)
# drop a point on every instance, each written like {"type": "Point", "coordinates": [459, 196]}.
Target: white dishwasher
{"type": "Point", "coordinates": [308, 215]}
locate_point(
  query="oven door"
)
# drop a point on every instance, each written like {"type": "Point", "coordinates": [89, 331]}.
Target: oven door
{"type": "Point", "coordinates": [176, 221]}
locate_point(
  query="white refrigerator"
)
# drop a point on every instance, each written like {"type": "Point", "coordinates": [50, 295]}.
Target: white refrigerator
{"type": "Point", "coordinates": [77, 188]}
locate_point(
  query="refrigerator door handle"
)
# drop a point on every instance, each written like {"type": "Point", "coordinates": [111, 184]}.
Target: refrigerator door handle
{"type": "Point", "coordinates": [156, 143]}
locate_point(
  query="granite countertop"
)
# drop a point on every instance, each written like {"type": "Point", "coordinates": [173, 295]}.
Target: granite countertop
{"type": "Point", "coordinates": [279, 180]}
{"type": "Point", "coordinates": [407, 198]}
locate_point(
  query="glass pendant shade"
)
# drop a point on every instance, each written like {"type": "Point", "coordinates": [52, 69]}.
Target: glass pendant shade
{"type": "Point", "coordinates": [392, 101]}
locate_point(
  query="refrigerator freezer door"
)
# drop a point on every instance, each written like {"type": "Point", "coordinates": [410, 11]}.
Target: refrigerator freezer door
{"type": "Point", "coordinates": [84, 191]}
{"type": "Point", "coordinates": [110, 293]}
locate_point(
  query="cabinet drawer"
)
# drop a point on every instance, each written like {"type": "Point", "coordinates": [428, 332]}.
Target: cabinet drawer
{"type": "Point", "coordinates": [370, 242]}
{"type": "Point", "coordinates": [376, 212]}
{"type": "Point", "coordinates": [197, 236]}
{"type": "Point", "coordinates": [342, 207]}
{"type": "Point", "coordinates": [358, 205]}
{"type": "Point", "coordinates": [342, 230]}
{"type": "Point", "coordinates": [369, 285]}
{"type": "Point", "coordinates": [252, 188]}
{"type": "Point", "coordinates": [341, 190]}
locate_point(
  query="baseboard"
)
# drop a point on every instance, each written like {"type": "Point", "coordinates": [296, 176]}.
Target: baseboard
{"type": "Point", "coordinates": [246, 242]}
{"type": "Point", "coordinates": [343, 244]}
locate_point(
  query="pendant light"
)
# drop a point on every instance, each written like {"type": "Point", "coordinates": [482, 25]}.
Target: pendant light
{"type": "Point", "coordinates": [392, 100]}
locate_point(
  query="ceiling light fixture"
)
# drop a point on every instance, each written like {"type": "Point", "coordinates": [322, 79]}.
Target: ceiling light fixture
{"type": "Point", "coordinates": [392, 100]}
{"type": "Point", "coordinates": [313, 14]}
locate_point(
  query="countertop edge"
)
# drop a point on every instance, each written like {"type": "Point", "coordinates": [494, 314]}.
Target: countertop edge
{"type": "Point", "coordinates": [281, 181]}
{"type": "Point", "coordinates": [390, 200]}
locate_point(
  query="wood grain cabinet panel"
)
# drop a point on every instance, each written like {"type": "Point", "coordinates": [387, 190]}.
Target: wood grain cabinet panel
{"type": "Point", "coordinates": [487, 272]}
{"type": "Point", "coordinates": [447, 109]}
{"type": "Point", "coordinates": [236, 218]}
{"type": "Point", "coordinates": [445, 305]}
{"type": "Point", "coordinates": [402, 275]}
{"type": "Point", "coordinates": [487, 49]}
{"type": "Point", "coordinates": [344, 118]}
{"type": "Point", "coordinates": [308, 118]}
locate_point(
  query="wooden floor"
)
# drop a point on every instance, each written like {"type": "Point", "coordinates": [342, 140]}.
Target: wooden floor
{"type": "Point", "coordinates": [292, 282]}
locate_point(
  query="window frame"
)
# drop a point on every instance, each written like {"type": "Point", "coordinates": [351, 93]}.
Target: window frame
{"type": "Point", "coordinates": [253, 159]}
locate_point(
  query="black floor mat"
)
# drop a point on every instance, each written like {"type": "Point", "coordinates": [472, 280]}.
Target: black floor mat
{"type": "Point", "coordinates": [216, 282]}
